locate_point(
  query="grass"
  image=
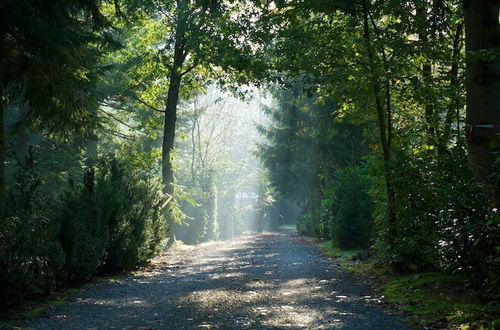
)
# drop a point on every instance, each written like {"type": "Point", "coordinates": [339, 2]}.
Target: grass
{"type": "Point", "coordinates": [33, 307]}
{"type": "Point", "coordinates": [288, 227]}
{"type": "Point", "coordinates": [331, 251]}
{"type": "Point", "coordinates": [435, 300]}
{"type": "Point", "coordinates": [440, 300]}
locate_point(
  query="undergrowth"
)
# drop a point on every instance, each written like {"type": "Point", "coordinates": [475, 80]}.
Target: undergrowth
{"type": "Point", "coordinates": [433, 299]}
{"type": "Point", "coordinates": [31, 308]}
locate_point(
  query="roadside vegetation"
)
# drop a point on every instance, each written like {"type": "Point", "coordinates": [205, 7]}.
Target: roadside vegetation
{"type": "Point", "coordinates": [126, 126]}
{"type": "Point", "coordinates": [432, 300]}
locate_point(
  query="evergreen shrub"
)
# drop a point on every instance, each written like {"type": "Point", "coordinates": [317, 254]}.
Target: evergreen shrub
{"type": "Point", "coordinates": [346, 209]}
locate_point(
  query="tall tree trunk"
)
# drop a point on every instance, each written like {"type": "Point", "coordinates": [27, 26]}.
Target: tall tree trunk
{"type": "Point", "coordinates": [454, 104]}
{"type": "Point", "coordinates": [383, 121]}
{"type": "Point", "coordinates": [2, 146]}
{"type": "Point", "coordinates": [91, 154]}
{"type": "Point", "coordinates": [173, 97]}
{"type": "Point", "coordinates": [92, 142]}
{"type": "Point", "coordinates": [313, 207]}
{"type": "Point", "coordinates": [429, 103]}
{"type": "Point", "coordinates": [426, 31]}
{"type": "Point", "coordinates": [482, 41]}
{"type": "Point", "coordinates": [2, 123]}
{"type": "Point", "coordinates": [169, 132]}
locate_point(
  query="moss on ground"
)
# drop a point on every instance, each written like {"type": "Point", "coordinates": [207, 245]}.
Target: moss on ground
{"type": "Point", "coordinates": [33, 307]}
{"type": "Point", "coordinates": [333, 252]}
{"type": "Point", "coordinates": [434, 300]}
{"type": "Point", "coordinates": [292, 227]}
{"type": "Point", "coordinates": [440, 300]}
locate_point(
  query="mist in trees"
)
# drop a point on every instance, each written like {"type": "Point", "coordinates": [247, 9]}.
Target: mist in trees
{"type": "Point", "coordinates": [394, 71]}
{"type": "Point", "coordinates": [127, 125]}
{"type": "Point", "coordinates": [217, 173]}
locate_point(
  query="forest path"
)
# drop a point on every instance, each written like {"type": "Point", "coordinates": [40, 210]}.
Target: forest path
{"type": "Point", "coordinates": [269, 281]}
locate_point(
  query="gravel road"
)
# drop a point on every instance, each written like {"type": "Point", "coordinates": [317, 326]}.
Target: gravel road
{"type": "Point", "coordinates": [269, 281]}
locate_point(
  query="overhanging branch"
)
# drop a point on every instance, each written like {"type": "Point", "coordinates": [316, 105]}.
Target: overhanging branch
{"type": "Point", "coordinates": [148, 105]}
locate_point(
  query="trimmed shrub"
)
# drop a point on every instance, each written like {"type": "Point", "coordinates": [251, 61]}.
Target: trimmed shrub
{"type": "Point", "coordinates": [110, 221]}
{"type": "Point", "coordinates": [304, 224]}
{"type": "Point", "coordinates": [130, 206]}
{"type": "Point", "coordinates": [30, 254]}
{"type": "Point", "coordinates": [346, 210]}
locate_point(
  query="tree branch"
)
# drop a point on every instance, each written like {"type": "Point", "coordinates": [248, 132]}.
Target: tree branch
{"type": "Point", "coordinates": [120, 121]}
{"type": "Point", "coordinates": [118, 134]}
{"type": "Point", "coordinates": [185, 72]}
{"type": "Point", "coordinates": [148, 105]}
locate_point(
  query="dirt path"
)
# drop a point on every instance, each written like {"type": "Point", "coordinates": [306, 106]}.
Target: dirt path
{"type": "Point", "coordinates": [271, 281]}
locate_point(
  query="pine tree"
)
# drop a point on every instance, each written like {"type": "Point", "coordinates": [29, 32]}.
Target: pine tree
{"type": "Point", "coordinates": [48, 56]}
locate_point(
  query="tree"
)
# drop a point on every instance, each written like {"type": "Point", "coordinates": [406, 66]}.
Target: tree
{"type": "Point", "coordinates": [48, 55]}
{"type": "Point", "coordinates": [483, 100]}
{"type": "Point", "coordinates": [306, 143]}
{"type": "Point", "coordinates": [213, 164]}
{"type": "Point", "coordinates": [191, 44]}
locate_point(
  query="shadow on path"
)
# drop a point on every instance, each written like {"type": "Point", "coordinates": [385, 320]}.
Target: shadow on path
{"type": "Point", "coordinates": [269, 281]}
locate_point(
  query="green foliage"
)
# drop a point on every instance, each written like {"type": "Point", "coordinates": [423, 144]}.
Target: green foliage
{"type": "Point", "coordinates": [331, 250]}
{"type": "Point", "coordinates": [440, 300]}
{"type": "Point", "coordinates": [49, 57]}
{"type": "Point", "coordinates": [306, 143]}
{"type": "Point", "coordinates": [83, 233]}
{"type": "Point", "coordinates": [30, 254]}
{"type": "Point", "coordinates": [443, 220]}
{"type": "Point", "coordinates": [304, 224]}
{"type": "Point", "coordinates": [113, 222]}
{"type": "Point", "coordinates": [109, 220]}
{"type": "Point", "coordinates": [402, 76]}
{"type": "Point", "coordinates": [200, 223]}
{"type": "Point", "coordinates": [267, 206]}
{"type": "Point", "coordinates": [346, 209]}
{"type": "Point", "coordinates": [132, 207]}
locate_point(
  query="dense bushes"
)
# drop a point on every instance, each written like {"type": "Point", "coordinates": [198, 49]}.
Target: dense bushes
{"type": "Point", "coordinates": [345, 212]}
{"type": "Point", "coordinates": [30, 258]}
{"type": "Point", "coordinates": [200, 222]}
{"type": "Point", "coordinates": [109, 221]}
{"type": "Point", "coordinates": [443, 219]}
{"type": "Point", "coordinates": [346, 209]}
{"type": "Point", "coordinates": [304, 224]}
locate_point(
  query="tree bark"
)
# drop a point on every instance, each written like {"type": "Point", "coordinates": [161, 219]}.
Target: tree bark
{"type": "Point", "coordinates": [3, 147]}
{"type": "Point", "coordinates": [169, 132]}
{"type": "Point", "coordinates": [426, 30]}
{"type": "Point", "coordinates": [482, 41]}
{"type": "Point", "coordinates": [383, 129]}
{"type": "Point", "coordinates": [454, 104]}
{"type": "Point", "coordinates": [173, 98]}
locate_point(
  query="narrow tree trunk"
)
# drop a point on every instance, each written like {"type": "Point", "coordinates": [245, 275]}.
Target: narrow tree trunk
{"type": "Point", "coordinates": [313, 207]}
{"type": "Point", "coordinates": [426, 31]}
{"type": "Point", "coordinates": [382, 121]}
{"type": "Point", "coordinates": [2, 123]}
{"type": "Point", "coordinates": [454, 104]}
{"type": "Point", "coordinates": [482, 40]}
{"type": "Point", "coordinates": [91, 155]}
{"type": "Point", "coordinates": [193, 144]}
{"type": "Point", "coordinates": [429, 103]}
{"type": "Point", "coordinates": [2, 147]}
{"type": "Point", "coordinates": [173, 97]}
{"type": "Point", "coordinates": [92, 143]}
{"type": "Point", "coordinates": [169, 132]}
